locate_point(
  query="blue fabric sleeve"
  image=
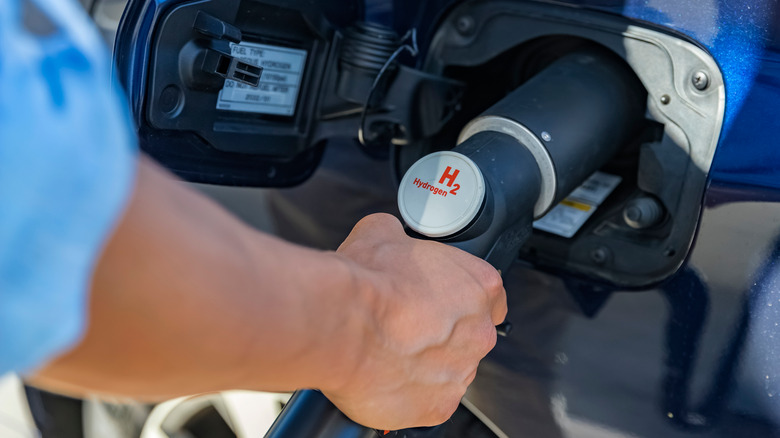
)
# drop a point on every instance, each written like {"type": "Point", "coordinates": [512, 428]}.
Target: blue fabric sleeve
{"type": "Point", "coordinates": [67, 160]}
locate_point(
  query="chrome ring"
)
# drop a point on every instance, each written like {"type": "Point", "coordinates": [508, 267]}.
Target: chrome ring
{"type": "Point", "coordinates": [530, 141]}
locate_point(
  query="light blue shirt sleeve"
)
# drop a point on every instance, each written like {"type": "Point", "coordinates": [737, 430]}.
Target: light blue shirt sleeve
{"type": "Point", "coordinates": [67, 160]}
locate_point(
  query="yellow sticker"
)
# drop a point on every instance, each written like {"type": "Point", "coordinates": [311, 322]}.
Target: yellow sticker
{"type": "Point", "coordinates": [578, 205]}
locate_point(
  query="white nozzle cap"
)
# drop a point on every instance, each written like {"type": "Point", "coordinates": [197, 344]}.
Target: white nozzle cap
{"type": "Point", "coordinates": [441, 194]}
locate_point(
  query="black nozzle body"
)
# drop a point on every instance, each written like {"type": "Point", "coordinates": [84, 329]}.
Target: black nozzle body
{"type": "Point", "coordinates": [582, 109]}
{"type": "Point", "coordinates": [512, 182]}
{"type": "Point", "coordinates": [541, 141]}
{"type": "Point", "coordinates": [310, 414]}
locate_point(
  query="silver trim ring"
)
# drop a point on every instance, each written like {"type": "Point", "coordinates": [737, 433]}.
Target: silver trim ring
{"type": "Point", "coordinates": [531, 142]}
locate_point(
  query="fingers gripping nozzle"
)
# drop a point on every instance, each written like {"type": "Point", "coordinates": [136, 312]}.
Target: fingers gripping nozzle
{"type": "Point", "coordinates": [523, 155]}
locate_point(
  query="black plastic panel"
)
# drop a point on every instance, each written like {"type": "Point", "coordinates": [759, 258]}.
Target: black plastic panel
{"type": "Point", "coordinates": [179, 122]}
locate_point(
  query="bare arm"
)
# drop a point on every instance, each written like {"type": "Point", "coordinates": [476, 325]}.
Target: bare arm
{"type": "Point", "coordinates": [187, 299]}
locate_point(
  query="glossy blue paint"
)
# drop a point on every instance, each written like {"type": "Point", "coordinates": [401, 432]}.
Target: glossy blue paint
{"type": "Point", "coordinates": [748, 152]}
{"type": "Point", "coordinates": [735, 33]}
{"type": "Point", "coordinates": [742, 37]}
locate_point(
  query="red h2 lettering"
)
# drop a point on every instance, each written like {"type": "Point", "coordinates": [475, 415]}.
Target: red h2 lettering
{"type": "Point", "coordinates": [449, 176]}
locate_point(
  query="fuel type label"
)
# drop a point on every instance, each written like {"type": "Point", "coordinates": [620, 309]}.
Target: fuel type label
{"type": "Point", "coordinates": [280, 83]}
{"type": "Point", "coordinates": [566, 218]}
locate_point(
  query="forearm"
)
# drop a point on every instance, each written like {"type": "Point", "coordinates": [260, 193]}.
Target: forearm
{"type": "Point", "coordinates": [187, 299]}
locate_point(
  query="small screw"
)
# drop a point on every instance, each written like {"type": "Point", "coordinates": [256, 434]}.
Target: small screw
{"type": "Point", "coordinates": [600, 255]}
{"type": "Point", "coordinates": [546, 136]}
{"type": "Point", "coordinates": [665, 99]}
{"type": "Point", "coordinates": [465, 25]}
{"type": "Point", "coordinates": [700, 80]}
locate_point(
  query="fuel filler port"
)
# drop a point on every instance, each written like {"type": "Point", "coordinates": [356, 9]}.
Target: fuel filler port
{"type": "Point", "coordinates": [524, 155]}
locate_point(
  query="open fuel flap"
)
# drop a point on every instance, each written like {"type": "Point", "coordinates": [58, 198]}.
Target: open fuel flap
{"type": "Point", "coordinates": [245, 92]}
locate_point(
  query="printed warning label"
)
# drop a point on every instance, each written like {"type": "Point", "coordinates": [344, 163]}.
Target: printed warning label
{"type": "Point", "coordinates": [566, 218]}
{"type": "Point", "coordinates": [596, 188]}
{"type": "Point", "coordinates": [277, 92]}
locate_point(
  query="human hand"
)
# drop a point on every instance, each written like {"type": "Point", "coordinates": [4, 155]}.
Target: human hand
{"type": "Point", "coordinates": [432, 316]}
